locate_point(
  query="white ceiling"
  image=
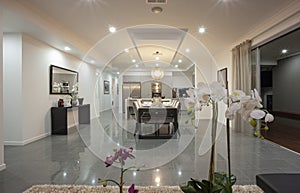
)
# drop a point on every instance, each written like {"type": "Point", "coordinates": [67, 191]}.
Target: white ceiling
{"type": "Point", "coordinates": [80, 24]}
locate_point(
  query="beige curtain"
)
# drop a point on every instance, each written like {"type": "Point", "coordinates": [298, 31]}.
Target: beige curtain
{"type": "Point", "coordinates": [241, 71]}
{"type": "Point", "coordinates": [241, 67]}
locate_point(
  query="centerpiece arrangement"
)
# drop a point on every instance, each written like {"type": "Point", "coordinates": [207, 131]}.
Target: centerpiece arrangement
{"type": "Point", "coordinates": [250, 109]}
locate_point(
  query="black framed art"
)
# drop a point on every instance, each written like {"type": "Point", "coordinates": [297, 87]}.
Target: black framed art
{"type": "Point", "coordinates": [222, 77]}
{"type": "Point", "coordinates": [106, 87]}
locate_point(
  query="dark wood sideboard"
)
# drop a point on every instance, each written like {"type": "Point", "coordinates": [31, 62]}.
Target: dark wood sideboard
{"type": "Point", "coordinates": [59, 118]}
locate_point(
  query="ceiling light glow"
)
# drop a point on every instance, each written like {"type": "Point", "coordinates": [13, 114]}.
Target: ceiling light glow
{"type": "Point", "coordinates": [156, 10]}
{"type": "Point", "coordinates": [112, 29]}
{"type": "Point", "coordinates": [157, 74]}
{"type": "Point", "coordinates": [137, 65]}
{"type": "Point", "coordinates": [134, 173]}
{"type": "Point", "coordinates": [284, 51]}
{"type": "Point", "coordinates": [176, 66]}
{"type": "Point", "coordinates": [157, 179]}
{"type": "Point", "coordinates": [201, 30]}
{"type": "Point", "coordinates": [133, 60]}
{"type": "Point", "coordinates": [187, 50]}
{"type": "Point", "coordinates": [156, 58]}
{"type": "Point", "coordinates": [179, 173]}
{"type": "Point", "coordinates": [67, 48]}
{"type": "Point", "coordinates": [180, 61]}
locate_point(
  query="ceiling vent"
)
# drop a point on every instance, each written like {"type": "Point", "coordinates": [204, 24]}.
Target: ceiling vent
{"type": "Point", "coordinates": [156, 1]}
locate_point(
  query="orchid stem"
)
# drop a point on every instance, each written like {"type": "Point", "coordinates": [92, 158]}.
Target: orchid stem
{"type": "Point", "coordinates": [211, 176]}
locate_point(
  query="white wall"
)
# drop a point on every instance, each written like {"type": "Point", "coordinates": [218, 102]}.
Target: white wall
{"type": "Point", "coordinates": [2, 164]}
{"type": "Point", "coordinates": [12, 88]}
{"type": "Point", "coordinates": [87, 87]}
{"type": "Point", "coordinates": [34, 119]}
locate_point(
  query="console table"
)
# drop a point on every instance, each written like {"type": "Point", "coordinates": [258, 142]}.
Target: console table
{"type": "Point", "coordinates": [60, 118]}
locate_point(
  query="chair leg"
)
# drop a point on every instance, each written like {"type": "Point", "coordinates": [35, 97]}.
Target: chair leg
{"type": "Point", "coordinates": [137, 129]}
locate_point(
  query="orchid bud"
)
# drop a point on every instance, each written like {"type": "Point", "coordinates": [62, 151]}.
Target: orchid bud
{"type": "Point", "coordinates": [269, 118]}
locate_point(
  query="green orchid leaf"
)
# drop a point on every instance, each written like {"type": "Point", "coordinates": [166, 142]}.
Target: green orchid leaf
{"type": "Point", "coordinates": [224, 182]}
{"type": "Point", "coordinates": [189, 187]}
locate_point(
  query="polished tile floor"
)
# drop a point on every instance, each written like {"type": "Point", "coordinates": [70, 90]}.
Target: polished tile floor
{"type": "Point", "coordinates": [78, 157]}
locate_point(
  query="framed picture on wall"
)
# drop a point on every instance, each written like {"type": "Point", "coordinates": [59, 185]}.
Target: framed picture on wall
{"type": "Point", "coordinates": [106, 87]}
{"type": "Point", "coordinates": [222, 77]}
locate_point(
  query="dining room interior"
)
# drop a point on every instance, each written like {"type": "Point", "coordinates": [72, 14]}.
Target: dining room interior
{"type": "Point", "coordinates": [81, 79]}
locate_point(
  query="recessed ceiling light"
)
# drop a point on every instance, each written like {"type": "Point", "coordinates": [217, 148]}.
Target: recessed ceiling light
{"type": "Point", "coordinates": [179, 173]}
{"type": "Point", "coordinates": [176, 66]}
{"type": "Point", "coordinates": [187, 50]}
{"type": "Point", "coordinates": [93, 61]}
{"type": "Point", "coordinates": [156, 10]}
{"type": "Point", "coordinates": [156, 64]}
{"type": "Point", "coordinates": [157, 179]}
{"type": "Point", "coordinates": [126, 50]}
{"type": "Point", "coordinates": [133, 60]}
{"type": "Point", "coordinates": [201, 30]}
{"type": "Point", "coordinates": [137, 65]}
{"type": "Point", "coordinates": [67, 48]}
{"type": "Point", "coordinates": [180, 61]}
{"type": "Point", "coordinates": [65, 174]}
{"type": "Point", "coordinates": [134, 173]}
{"type": "Point", "coordinates": [112, 29]}
{"type": "Point", "coordinates": [284, 51]}
{"type": "Point", "coordinates": [118, 73]}
{"type": "Point", "coordinates": [156, 58]}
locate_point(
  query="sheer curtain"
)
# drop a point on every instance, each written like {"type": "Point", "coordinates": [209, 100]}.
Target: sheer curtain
{"type": "Point", "coordinates": [241, 71]}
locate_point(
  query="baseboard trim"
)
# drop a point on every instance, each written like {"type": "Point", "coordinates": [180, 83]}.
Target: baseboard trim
{"type": "Point", "coordinates": [2, 167]}
{"type": "Point", "coordinates": [27, 141]}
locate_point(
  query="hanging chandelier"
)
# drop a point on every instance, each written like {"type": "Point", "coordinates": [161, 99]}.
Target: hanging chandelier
{"type": "Point", "coordinates": [157, 73]}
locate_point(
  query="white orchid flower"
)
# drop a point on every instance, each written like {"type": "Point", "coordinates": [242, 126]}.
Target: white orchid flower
{"type": "Point", "coordinates": [189, 103]}
{"type": "Point", "coordinates": [203, 95]}
{"type": "Point", "coordinates": [237, 95]}
{"type": "Point", "coordinates": [256, 96]}
{"type": "Point", "coordinates": [202, 86]}
{"type": "Point", "coordinates": [191, 92]}
{"type": "Point", "coordinates": [269, 118]}
{"type": "Point", "coordinates": [257, 114]}
{"type": "Point", "coordinates": [218, 92]}
{"type": "Point", "coordinates": [234, 107]}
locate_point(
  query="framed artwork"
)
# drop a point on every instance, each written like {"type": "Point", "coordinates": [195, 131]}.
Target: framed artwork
{"type": "Point", "coordinates": [106, 87]}
{"type": "Point", "coordinates": [222, 77]}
